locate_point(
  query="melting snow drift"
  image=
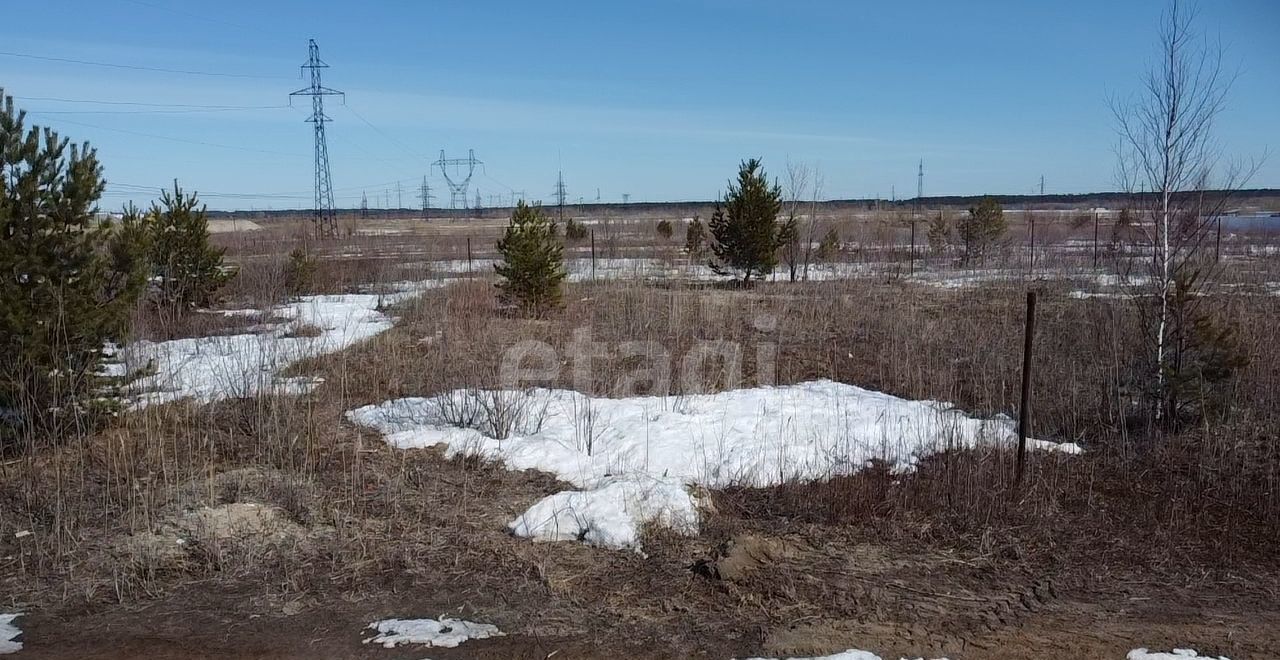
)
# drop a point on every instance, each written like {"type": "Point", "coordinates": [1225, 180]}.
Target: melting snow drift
{"type": "Point", "coordinates": [9, 633]}
{"type": "Point", "coordinates": [220, 367]}
{"type": "Point", "coordinates": [635, 459]}
{"type": "Point", "coordinates": [445, 632]}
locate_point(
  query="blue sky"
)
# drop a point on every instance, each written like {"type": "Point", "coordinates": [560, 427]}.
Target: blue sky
{"type": "Point", "coordinates": [659, 99]}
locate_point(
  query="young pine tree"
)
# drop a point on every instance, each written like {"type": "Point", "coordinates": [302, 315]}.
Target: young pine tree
{"type": "Point", "coordinates": [574, 231]}
{"type": "Point", "coordinates": [939, 233]}
{"type": "Point", "coordinates": [68, 283]}
{"type": "Point", "coordinates": [532, 267]}
{"type": "Point", "coordinates": [745, 226]}
{"type": "Point", "coordinates": [695, 237]}
{"type": "Point", "coordinates": [189, 270]}
{"type": "Point", "coordinates": [984, 225]}
{"type": "Point", "coordinates": [829, 247]}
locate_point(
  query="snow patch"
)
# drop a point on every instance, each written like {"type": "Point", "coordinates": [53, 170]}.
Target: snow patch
{"type": "Point", "coordinates": [442, 633]}
{"type": "Point", "coordinates": [9, 633]}
{"type": "Point", "coordinates": [1177, 654]}
{"type": "Point", "coordinates": [208, 369]}
{"type": "Point", "coordinates": [610, 514]}
{"type": "Point", "coordinates": [634, 459]}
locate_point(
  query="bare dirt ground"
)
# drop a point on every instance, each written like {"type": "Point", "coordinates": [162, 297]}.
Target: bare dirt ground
{"type": "Point", "coordinates": [741, 588]}
{"type": "Point", "coordinates": [747, 585]}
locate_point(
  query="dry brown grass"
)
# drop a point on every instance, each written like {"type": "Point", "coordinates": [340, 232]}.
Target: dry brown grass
{"type": "Point", "coordinates": [358, 518]}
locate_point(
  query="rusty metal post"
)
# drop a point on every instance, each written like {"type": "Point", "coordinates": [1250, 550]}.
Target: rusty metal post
{"type": "Point", "coordinates": [1095, 240]}
{"type": "Point", "coordinates": [1024, 410]}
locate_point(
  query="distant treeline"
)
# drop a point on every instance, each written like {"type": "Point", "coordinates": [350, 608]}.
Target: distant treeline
{"type": "Point", "coordinates": [1269, 197]}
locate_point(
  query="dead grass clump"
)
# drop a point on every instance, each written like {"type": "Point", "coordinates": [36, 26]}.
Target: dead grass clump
{"type": "Point", "coordinates": [151, 324]}
{"type": "Point", "coordinates": [1161, 510]}
{"type": "Point", "coordinates": [303, 331]}
{"type": "Point", "coordinates": [240, 539]}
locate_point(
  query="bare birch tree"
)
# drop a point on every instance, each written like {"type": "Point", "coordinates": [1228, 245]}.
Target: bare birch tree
{"type": "Point", "coordinates": [797, 187]}
{"type": "Point", "coordinates": [1169, 161]}
{"type": "Point", "coordinates": [812, 227]}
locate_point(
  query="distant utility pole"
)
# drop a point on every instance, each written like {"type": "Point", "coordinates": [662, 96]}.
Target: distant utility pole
{"type": "Point", "coordinates": [560, 194]}
{"type": "Point", "coordinates": [425, 195]}
{"type": "Point", "coordinates": [919, 192]}
{"type": "Point", "coordinates": [915, 211]}
{"type": "Point", "coordinates": [326, 224]}
{"type": "Point", "coordinates": [364, 206]}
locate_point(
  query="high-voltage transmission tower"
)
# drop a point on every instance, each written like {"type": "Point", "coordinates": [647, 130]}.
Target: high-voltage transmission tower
{"type": "Point", "coordinates": [323, 216]}
{"type": "Point", "coordinates": [919, 189]}
{"type": "Point", "coordinates": [364, 206]}
{"type": "Point", "coordinates": [458, 183]}
{"type": "Point", "coordinates": [560, 195]}
{"type": "Point", "coordinates": [425, 195]}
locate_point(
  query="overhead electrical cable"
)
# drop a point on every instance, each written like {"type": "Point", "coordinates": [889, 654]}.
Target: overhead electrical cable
{"type": "Point", "coordinates": [135, 67]}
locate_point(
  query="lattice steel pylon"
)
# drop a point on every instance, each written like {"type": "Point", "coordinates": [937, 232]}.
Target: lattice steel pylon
{"type": "Point", "coordinates": [457, 187]}
{"type": "Point", "coordinates": [323, 216]}
{"type": "Point", "coordinates": [560, 195]}
{"type": "Point", "coordinates": [426, 196]}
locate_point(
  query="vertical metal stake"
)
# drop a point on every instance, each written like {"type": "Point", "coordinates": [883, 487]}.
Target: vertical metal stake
{"type": "Point", "coordinates": [913, 246]}
{"type": "Point", "coordinates": [1024, 410]}
{"type": "Point", "coordinates": [1095, 240]}
{"type": "Point", "coordinates": [1217, 247]}
{"type": "Point", "coordinates": [1032, 216]}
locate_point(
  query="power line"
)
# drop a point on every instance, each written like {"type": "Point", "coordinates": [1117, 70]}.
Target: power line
{"type": "Point", "coordinates": [156, 112]}
{"type": "Point", "coordinates": [174, 139]}
{"type": "Point", "coordinates": [389, 138]}
{"type": "Point", "coordinates": [292, 194]}
{"type": "Point", "coordinates": [56, 99]}
{"type": "Point", "coordinates": [133, 67]}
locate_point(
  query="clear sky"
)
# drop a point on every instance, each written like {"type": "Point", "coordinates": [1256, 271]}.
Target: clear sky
{"type": "Point", "coordinates": [657, 99]}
